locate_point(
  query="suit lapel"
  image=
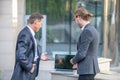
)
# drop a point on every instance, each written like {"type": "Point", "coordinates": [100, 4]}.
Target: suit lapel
{"type": "Point", "coordinates": [80, 35]}
{"type": "Point", "coordinates": [28, 30]}
{"type": "Point", "coordinates": [33, 41]}
{"type": "Point", "coordinates": [30, 34]}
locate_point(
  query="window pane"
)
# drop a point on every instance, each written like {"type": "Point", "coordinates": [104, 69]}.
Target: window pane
{"type": "Point", "coordinates": [59, 29]}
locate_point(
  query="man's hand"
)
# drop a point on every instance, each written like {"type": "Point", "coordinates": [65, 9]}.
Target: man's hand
{"type": "Point", "coordinates": [44, 57]}
{"type": "Point", "coordinates": [33, 68]}
{"type": "Point", "coordinates": [71, 61]}
{"type": "Point", "coordinates": [75, 66]}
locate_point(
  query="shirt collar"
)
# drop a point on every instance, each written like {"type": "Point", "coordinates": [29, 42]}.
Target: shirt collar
{"type": "Point", "coordinates": [84, 26]}
{"type": "Point", "coordinates": [32, 32]}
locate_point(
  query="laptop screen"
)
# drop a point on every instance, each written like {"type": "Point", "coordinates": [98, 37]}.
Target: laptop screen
{"type": "Point", "coordinates": [62, 61]}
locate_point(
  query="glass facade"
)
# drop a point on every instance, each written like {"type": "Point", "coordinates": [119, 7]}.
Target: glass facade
{"type": "Point", "coordinates": [62, 32]}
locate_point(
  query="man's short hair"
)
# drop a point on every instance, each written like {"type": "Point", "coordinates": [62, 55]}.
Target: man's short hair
{"type": "Point", "coordinates": [33, 17]}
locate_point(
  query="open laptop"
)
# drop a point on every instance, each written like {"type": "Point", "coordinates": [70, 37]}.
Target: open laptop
{"type": "Point", "coordinates": [62, 62]}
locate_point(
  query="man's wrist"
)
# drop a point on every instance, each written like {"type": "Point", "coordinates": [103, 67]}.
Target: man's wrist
{"type": "Point", "coordinates": [33, 67]}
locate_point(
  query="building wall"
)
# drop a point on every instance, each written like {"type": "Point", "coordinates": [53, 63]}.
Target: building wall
{"type": "Point", "coordinates": [9, 31]}
{"type": "Point", "coordinates": [6, 34]}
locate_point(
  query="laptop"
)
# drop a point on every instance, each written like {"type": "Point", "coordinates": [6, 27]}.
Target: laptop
{"type": "Point", "coordinates": [62, 62]}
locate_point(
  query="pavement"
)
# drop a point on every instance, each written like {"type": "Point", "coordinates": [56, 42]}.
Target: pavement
{"type": "Point", "coordinates": [116, 69]}
{"type": "Point", "coordinates": [44, 75]}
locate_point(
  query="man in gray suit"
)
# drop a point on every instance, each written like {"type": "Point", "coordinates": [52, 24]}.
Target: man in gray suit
{"type": "Point", "coordinates": [87, 47]}
{"type": "Point", "coordinates": [27, 51]}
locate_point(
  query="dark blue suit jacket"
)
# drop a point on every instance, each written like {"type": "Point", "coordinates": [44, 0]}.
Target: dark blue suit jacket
{"type": "Point", "coordinates": [87, 47]}
{"type": "Point", "coordinates": [25, 52]}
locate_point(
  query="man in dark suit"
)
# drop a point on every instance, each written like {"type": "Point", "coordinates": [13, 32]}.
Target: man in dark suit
{"type": "Point", "coordinates": [87, 47]}
{"type": "Point", "coordinates": [27, 53]}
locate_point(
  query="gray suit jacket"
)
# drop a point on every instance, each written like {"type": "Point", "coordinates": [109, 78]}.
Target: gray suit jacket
{"type": "Point", "coordinates": [87, 47]}
{"type": "Point", "coordinates": [25, 49]}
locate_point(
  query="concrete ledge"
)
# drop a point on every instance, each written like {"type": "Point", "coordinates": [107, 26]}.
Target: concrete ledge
{"type": "Point", "coordinates": [104, 64]}
{"type": "Point", "coordinates": [59, 75]}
